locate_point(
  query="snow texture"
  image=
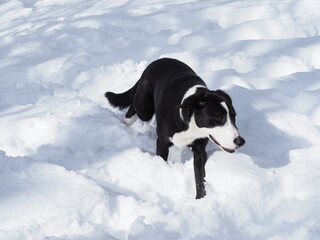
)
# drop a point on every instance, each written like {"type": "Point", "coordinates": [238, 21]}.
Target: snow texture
{"type": "Point", "coordinates": [71, 169]}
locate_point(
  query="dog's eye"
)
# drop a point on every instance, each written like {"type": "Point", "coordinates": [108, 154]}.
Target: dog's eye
{"type": "Point", "coordinates": [221, 119]}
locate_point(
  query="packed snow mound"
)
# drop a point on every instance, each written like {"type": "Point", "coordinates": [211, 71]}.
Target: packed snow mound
{"type": "Point", "coordinates": [71, 169]}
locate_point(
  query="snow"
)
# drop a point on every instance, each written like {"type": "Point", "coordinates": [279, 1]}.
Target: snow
{"type": "Point", "coordinates": [71, 169]}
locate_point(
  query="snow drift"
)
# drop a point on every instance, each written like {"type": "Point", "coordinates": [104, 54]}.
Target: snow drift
{"type": "Point", "coordinates": [69, 167]}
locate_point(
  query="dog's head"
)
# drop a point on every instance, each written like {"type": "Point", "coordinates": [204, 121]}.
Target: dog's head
{"type": "Point", "coordinates": [215, 116]}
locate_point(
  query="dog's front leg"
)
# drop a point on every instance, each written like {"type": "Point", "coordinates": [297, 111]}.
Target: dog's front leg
{"type": "Point", "coordinates": [200, 158]}
{"type": "Point", "coordinates": [163, 148]}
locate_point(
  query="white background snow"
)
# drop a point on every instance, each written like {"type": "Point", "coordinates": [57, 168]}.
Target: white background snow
{"type": "Point", "coordinates": [69, 167]}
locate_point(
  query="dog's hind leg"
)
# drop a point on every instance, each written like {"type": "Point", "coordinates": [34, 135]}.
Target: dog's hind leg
{"type": "Point", "coordinates": [163, 148]}
{"type": "Point", "coordinates": [130, 116]}
{"type": "Point", "coordinates": [143, 102]}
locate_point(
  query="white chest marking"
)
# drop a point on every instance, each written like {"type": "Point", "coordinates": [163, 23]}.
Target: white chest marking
{"type": "Point", "coordinates": [182, 139]}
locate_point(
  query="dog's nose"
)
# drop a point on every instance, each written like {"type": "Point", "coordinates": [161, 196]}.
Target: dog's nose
{"type": "Point", "coordinates": [239, 141]}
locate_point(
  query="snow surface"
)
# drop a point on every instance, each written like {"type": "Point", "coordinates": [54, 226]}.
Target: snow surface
{"type": "Point", "coordinates": [69, 167]}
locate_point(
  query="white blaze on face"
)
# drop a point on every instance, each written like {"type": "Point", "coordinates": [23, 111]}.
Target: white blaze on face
{"type": "Point", "coordinates": [225, 135]}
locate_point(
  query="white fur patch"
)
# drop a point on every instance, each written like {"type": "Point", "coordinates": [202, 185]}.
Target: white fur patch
{"type": "Point", "coordinates": [130, 121]}
{"type": "Point", "coordinates": [182, 139]}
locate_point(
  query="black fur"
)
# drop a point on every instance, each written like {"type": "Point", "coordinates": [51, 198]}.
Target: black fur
{"type": "Point", "coordinates": [160, 91]}
{"type": "Point", "coordinates": [122, 100]}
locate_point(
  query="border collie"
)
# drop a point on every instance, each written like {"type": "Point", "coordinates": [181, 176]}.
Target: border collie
{"type": "Point", "coordinates": [187, 112]}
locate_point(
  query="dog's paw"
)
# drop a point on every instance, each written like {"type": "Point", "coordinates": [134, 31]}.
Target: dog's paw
{"type": "Point", "coordinates": [201, 193]}
{"type": "Point", "coordinates": [130, 121]}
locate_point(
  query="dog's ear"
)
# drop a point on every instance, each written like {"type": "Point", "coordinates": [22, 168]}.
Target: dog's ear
{"type": "Point", "coordinates": [194, 102]}
{"type": "Point", "coordinates": [227, 98]}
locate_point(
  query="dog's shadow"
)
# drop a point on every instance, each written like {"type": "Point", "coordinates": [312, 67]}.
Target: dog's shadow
{"type": "Point", "coordinates": [267, 145]}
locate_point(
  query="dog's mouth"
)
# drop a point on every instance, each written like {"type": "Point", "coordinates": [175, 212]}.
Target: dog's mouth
{"type": "Point", "coordinates": [223, 148]}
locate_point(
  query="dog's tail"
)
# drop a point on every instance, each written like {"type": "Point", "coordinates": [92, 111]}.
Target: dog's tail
{"type": "Point", "coordinates": [122, 100]}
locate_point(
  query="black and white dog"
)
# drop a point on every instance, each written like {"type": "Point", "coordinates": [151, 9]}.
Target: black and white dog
{"type": "Point", "coordinates": [187, 113]}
